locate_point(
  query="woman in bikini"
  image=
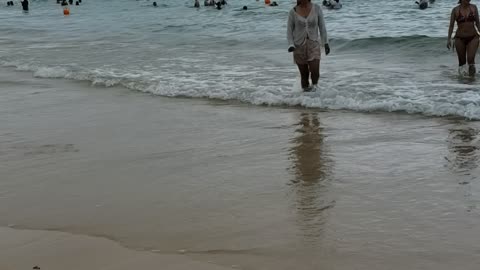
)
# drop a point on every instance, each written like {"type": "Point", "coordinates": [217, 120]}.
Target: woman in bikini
{"type": "Point", "coordinates": [466, 37]}
{"type": "Point", "coordinates": [305, 22]}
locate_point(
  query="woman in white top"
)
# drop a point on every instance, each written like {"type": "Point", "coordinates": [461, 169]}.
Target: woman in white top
{"type": "Point", "coordinates": [305, 23]}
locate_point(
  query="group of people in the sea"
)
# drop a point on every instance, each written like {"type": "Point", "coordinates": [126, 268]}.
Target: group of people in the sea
{"type": "Point", "coordinates": [332, 4]}
{"type": "Point", "coordinates": [211, 3]}
{"type": "Point", "coordinates": [219, 3]}
{"type": "Point", "coordinates": [63, 3]}
{"type": "Point", "coordinates": [70, 2]}
{"type": "Point", "coordinates": [307, 34]}
{"type": "Point", "coordinates": [24, 4]}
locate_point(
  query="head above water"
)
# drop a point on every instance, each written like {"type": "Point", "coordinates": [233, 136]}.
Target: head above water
{"type": "Point", "coordinates": [464, 2]}
{"type": "Point", "coordinates": [154, 4]}
{"type": "Point", "coordinates": [300, 2]}
{"type": "Point", "coordinates": [245, 7]}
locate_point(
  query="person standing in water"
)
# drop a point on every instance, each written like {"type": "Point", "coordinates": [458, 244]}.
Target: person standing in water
{"type": "Point", "coordinates": [25, 5]}
{"type": "Point", "coordinates": [305, 22]}
{"type": "Point", "coordinates": [466, 37]}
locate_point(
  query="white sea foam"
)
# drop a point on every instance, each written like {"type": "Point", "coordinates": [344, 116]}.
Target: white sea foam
{"type": "Point", "coordinates": [460, 100]}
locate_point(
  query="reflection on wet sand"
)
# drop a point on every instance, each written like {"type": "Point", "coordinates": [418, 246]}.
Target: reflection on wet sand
{"type": "Point", "coordinates": [463, 147]}
{"type": "Point", "coordinates": [311, 169]}
{"type": "Point", "coordinates": [463, 157]}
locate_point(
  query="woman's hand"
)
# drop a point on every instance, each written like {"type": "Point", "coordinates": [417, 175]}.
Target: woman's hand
{"type": "Point", "coordinates": [327, 49]}
{"type": "Point", "coordinates": [449, 44]}
{"type": "Point", "coordinates": [291, 49]}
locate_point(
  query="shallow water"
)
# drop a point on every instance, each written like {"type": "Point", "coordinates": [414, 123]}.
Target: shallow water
{"type": "Point", "coordinates": [388, 57]}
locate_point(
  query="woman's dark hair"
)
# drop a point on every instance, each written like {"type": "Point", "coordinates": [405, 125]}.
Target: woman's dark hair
{"type": "Point", "coordinates": [298, 1]}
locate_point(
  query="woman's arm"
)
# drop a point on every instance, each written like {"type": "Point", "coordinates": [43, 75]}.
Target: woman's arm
{"type": "Point", "coordinates": [321, 26]}
{"type": "Point", "coordinates": [452, 23]}
{"type": "Point", "coordinates": [477, 20]}
{"type": "Point", "coordinates": [290, 29]}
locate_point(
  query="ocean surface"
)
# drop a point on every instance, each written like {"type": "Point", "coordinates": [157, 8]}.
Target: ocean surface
{"type": "Point", "coordinates": [386, 56]}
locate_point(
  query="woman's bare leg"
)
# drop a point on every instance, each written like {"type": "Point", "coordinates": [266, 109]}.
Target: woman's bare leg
{"type": "Point", "coordinates": [304, 74]}
{"type": "Point", "coordinates": [314, 67]}
{"type": "Point", "coordinates": [471, 49]}
{"type": "Point", "coordinates": [461, 51]}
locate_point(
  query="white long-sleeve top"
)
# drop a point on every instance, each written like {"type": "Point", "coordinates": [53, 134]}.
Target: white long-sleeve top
{"type": "Point", "coordinates": [299, 28]}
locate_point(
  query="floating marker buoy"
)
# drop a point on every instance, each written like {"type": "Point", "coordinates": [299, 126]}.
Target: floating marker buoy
{"type": "Point", "coordinates": [66, 12]}
{"type": "Point", "coordinates": [267, 2]}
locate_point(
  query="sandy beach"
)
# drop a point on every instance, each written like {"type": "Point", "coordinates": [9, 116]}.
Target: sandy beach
{"type": "Point", "coordinates": [108, 178]}
{"type": "Point", "coordinates": [24, 249]}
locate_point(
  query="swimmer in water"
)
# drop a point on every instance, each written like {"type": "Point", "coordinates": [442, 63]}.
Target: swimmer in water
{"type": "Point", "coordinates": [25, 5]}
{"type": "Point", "coordinates": [423, 4]}
{"type": "Point", "coordinates": [197, 4]}
{"type": "Point", "coordinates": [335, 4]}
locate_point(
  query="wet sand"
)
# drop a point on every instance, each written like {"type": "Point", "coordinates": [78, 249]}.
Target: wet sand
{"type": "Point", "coordinates": [229, 184]}
{"type": "Point", "coordinates": [26, 249]}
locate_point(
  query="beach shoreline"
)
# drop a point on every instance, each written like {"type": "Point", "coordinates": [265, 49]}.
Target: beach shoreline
{"type": "Point", "coordinates": [25, 249]}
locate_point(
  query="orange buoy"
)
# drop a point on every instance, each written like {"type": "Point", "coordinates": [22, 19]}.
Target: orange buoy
{"type": "Point", "coordinates": [267, 2]}
{"type": "Point", "coordinates": [66, 12]}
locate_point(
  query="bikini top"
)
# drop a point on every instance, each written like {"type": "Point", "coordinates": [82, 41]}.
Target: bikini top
{"type": "Point", "coordinates": [469, 18]}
